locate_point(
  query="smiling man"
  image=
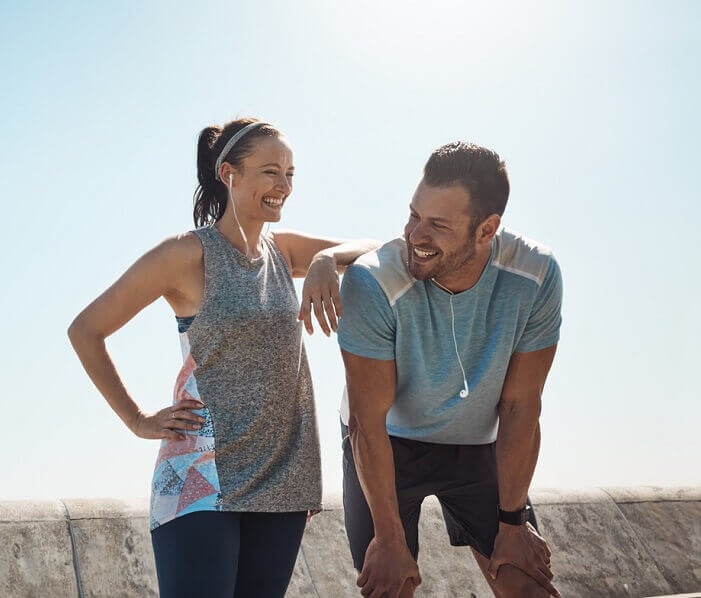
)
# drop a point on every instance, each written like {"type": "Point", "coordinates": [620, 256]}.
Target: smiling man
{"type": "Point", "coordinates": [447, 337]}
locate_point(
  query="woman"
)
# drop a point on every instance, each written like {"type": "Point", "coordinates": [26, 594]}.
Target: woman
{"type": "Point", "coordinates": [238, 470]}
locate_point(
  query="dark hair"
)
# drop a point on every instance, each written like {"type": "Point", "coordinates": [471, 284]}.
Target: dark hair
{"type": "Point", "coordinates": [477, 169]}
{"type": "Point", "coordinates": [211, 195]}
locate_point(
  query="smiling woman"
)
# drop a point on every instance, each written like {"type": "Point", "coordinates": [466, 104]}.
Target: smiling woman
{"type": "Point", "coordinates": [256, 190]}
{"type": "Point", "coordinates": [238, 472]}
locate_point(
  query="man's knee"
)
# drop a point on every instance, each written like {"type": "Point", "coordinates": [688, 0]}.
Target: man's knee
{"type": "Point", "coordinates": [511, 582]}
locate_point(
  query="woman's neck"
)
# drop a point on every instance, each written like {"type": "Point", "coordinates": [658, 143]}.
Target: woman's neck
{"type": "Point", "coordinates": [246, 238]}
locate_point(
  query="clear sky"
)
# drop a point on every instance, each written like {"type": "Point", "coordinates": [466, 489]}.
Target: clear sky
{"type": "Point", "coordinates": [594, 106]}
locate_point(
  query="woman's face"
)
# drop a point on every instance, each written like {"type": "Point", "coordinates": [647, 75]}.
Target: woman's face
{"type": "Point", "coordinates": [264, 182]}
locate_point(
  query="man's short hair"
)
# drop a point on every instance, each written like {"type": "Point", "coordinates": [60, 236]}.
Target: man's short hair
{"type": "Point", "coordinates": [477, 169]}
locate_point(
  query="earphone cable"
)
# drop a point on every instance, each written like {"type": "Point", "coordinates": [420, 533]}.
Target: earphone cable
{"type": "Point", "coordinates": [457, 353]}
{"type": "Point", "coordinates": [465, 391]}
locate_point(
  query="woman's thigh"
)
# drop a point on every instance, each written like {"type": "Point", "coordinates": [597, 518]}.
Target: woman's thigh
{"type": "Point", "coordinates": [269, 546]}
{"type": "Point", "coordinates": [198, 555]}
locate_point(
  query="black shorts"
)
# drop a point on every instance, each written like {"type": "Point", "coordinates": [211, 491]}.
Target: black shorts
{"type": "Point", "coordinates": [462, 477]}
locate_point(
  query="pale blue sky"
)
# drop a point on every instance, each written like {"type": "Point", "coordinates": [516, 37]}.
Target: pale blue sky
{"type": "Point", "coordinates": [595, 108]}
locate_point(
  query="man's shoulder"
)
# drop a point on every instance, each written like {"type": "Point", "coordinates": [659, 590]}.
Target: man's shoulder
{"type": "Point", "coordinates": [388, 266]}
{"type": "Point", "coordinates": [522, 256]}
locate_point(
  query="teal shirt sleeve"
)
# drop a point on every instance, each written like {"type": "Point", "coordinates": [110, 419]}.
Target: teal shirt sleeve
{"type": "Point", "coordinates": [543, 326]}
{"type": "Point", "coordinates": [368, 325]}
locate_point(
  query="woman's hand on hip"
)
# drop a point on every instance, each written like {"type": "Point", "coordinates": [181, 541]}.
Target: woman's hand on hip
{"type": "Point", "coordinates": [170, 422]}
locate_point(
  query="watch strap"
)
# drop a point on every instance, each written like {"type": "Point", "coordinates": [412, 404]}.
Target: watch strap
{"type": "Point", "coordinates": [515, 517]}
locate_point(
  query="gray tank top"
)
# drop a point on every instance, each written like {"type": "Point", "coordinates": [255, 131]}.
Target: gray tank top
{"type": "Point", "coordinates": [253, 376]}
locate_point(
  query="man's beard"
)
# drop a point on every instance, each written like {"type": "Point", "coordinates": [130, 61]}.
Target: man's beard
{"type": "Point", "coordinates": [445, 264]}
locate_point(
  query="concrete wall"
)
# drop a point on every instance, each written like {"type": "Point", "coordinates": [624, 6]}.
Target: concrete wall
{"type": "Point", "coordinates": [615, 542]}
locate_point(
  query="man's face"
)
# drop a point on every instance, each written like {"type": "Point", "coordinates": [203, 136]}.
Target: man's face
{"type": "Point", "coordinates": [439, 235]}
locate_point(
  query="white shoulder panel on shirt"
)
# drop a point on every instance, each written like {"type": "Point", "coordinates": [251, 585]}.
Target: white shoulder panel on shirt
{"type": "Point", "coordinates": [388, 265]}
{"type": "Point", "coordinates": [521, 256]}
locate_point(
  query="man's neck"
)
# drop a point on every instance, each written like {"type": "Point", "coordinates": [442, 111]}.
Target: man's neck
{"type": "Point", "coordinates": [467, 276]}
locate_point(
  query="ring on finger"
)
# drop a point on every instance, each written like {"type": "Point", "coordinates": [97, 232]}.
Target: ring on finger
{"type": "Point", "coordinates": [172, 414]}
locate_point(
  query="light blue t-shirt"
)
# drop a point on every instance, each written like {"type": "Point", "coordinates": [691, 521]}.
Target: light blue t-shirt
{"type": "Point", "coordinates": [388, 314]}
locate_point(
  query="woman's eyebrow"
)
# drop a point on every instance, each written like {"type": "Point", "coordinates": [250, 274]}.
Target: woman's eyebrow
{"type": "Point", "coordinates": [274, 164]}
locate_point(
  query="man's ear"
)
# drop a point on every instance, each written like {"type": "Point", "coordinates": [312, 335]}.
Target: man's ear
{"type": "Point", "coordinates": [488, 228]}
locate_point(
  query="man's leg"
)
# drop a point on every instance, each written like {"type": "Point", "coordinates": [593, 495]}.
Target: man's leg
{"type": "Point", "coordinates": [469, 501]}
{"type": "Point", "coordinates": [510, 581]}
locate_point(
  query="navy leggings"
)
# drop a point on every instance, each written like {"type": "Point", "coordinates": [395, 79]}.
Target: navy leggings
{"type": "Point", "coordinates": [221, 554]}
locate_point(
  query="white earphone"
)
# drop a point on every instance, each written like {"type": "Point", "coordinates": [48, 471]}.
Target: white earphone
{"type": "Point", "coordinates": [465, 391]}
{"type": "Point", "coordinates": [236, 216]}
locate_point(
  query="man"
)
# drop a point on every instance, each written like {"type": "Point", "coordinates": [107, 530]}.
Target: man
{"type": "Point", "coordinates": [447, 337]}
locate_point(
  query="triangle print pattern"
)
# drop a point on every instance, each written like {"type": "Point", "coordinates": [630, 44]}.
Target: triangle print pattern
{"type": "Point", "coordinates": [185, 479]}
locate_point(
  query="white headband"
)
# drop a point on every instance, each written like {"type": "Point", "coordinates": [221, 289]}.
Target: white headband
{"type": "Point", "coordinates": [231, 143]}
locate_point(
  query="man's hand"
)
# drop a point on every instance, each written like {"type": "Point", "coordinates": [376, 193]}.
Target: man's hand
{"type": "Point", "coordinates": [388, 570]}
{"type": "Point", "coordinates": [523, 547]}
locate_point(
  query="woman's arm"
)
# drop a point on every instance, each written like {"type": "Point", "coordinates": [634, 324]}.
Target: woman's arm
{"type": "Point", "coordinates": [158, 273]}
{"type": "Point", "coordinates": [320, 261]}
{"type": "Point", "coordinates": [301, 250]}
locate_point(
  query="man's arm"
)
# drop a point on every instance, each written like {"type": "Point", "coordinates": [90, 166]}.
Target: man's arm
{"type": "Point", "coordinates": [518, 439]}
{"type": "Point", "coordinates": [517, 446]}
{"type": "Point", "coordinates": [388, 564]}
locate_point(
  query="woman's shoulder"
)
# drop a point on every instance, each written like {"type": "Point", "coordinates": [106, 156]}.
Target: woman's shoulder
{"type": "Point", "coordinates": [183, 247]}
{"type": "Point", "coordinates": [280, 241]}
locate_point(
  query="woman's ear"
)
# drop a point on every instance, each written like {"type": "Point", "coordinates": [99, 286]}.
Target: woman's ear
{"type": "Point", "coordinates": [228, 174]}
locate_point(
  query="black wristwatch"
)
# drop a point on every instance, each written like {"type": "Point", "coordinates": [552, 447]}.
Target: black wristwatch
{"type": "Point", "coordinates": [515, 517]}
